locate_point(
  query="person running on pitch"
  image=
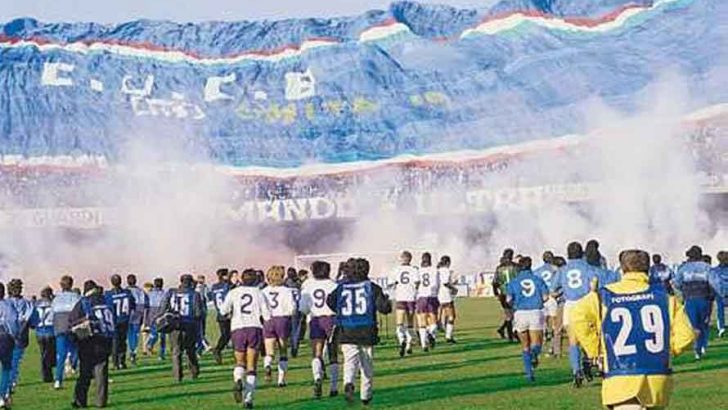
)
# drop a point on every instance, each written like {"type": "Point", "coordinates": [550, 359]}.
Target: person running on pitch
{"type": "Point", "coordinates": [634, 326]}
{"type": "Point", "coordinates": [356, 301]}
{"type": "Point", "coordinates": [247, 306]}
{"type": "Point", "coordinates": [314, 293]}
{"type": "Point", "coordinates": [526, 293]}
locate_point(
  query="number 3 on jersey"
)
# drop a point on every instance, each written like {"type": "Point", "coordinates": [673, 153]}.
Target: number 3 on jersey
{"type": "Point", "coordinates": [355, 302]}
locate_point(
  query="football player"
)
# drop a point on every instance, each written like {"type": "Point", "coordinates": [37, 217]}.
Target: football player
{"type": "Point", "coordinates": [719, 276]}
{"type": "Point", "coordinates": [10, 323]}
{"type": "Point", "coordinates": [693, 280]}
{"type": "Point", "coordinates": [404, 279]}
{"type": "Point", "coordinates": [527, 293]}
{"type": "Point", "coordinates": [141, 301]}
{"type": "Point", "coordinates": [156, 298]}
{"type": "Point", "coordinates": [321, 324]}
{"type": "Point", "coordinates": [293, 282]}
{"type": "Point", "coordinates": [504, 272]}
{"type": "Point", "coordinates": [427, 303]}
{"type": "Point", "coordinates": [217, 294]}
{"type": "Point", "coordinates": [61, 306]}
{"type": "Point", "coordinates": [246, 306]}
{"type": "Point", "coordinates": [122, 303]}
{"type": "Point", "coordinates": [187, 304]}
{"type": "Point", "coordinates": [356, 301]}
{"type": "Point", "coordinates": [551, 306]}
{"type": "Point", "coordinates": [44, 334]}
{"type": "Point", "coordinates": [27, 318]}
{"type": "Point", "coordinates": [277, 330]}
{"type": "Point", "coordinates": [575, 279]}
{"type": "Point", "coordinates": [445, 297]}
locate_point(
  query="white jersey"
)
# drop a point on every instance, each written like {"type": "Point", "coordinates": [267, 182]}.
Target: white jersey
{"type": "Point", "coordinates": [429, 283]}
{"type": "Point", "coordinates": [444, 294]}
{"type": "Point", "coordinates": [247, 305]}
{"type": "Point", "coordinates": [405, 279]}
{"type": "Point", "coordinates": [314, 293]}
{"type": "Point", "coordinates": [281, 300]}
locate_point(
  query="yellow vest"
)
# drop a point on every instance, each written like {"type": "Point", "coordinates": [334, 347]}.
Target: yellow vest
{"type": "Point", "coordinates": [651, 391]}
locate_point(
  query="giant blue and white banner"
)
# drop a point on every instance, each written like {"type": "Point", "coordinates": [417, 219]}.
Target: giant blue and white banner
{"type": "Point", "coordinates": [412, 79]}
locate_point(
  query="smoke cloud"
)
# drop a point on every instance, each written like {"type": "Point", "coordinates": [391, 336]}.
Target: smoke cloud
{"type": "Point", "coordinates": [172, 202]}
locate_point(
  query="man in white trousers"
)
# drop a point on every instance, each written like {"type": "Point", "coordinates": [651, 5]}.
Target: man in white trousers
{"type": "Point", "coordinates": [356, 301]}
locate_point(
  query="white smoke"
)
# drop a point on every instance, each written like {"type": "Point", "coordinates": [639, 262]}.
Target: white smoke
{"type": "Point", "coordinates": [171, 202]}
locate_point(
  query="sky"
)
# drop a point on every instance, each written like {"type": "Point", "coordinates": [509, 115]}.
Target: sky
{"type": "Point", "coordinates": [105, 11]}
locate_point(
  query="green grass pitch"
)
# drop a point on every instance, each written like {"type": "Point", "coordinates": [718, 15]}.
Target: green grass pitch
{"type": "Point", "coordinates": [480, 372]}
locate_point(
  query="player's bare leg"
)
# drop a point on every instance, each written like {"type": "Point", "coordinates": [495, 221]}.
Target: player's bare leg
{"type": "Point", "coordinates": [557, 334]}
{"type": "Point", "coordinates": [270, 351]}
{"type": "Point", "coordinates": [282, 362]}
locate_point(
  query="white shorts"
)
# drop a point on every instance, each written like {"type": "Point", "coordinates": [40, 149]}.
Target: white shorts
{"type": "Point", "coordinates": [567, 312]}
{"type": "Point", "coordinates": [525, 320]}
{"type": "Point", "coordinates": [550, 308]}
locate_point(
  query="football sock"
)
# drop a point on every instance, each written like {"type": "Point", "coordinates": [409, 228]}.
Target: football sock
{"type": "Point", "coordinates": [268, 361]}
{"type": "Point", "coordinates": [449, 327]}
{"type": "Point", "coordinates": [575, 358]}
{"type": "Point", "coordinates": [423, 337]}
{"type": "Point", "coordinates": [249, 386]}
{"type": "Point", "coordinates": [282, 369]}
{"type": "Point", "coordinates": [408, 337]}
{"type": "Point", "coordinates": [401, 334]}
{"type": "Point", "coordinates": [432, 329]}
{"type": "Point", "coordinates": [317, 369]}
{"type": "Point", "coordinates": [526, 354]}
{"type": "Point", "coordinates": [238, 373]}
{"type": "Point", "coordinates": [536, 350]}
{"type": "Point", "coordinates": [334, 375]}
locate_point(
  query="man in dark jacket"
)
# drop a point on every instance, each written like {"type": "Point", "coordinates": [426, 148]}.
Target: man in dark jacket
{"type": "Point", "coordinates": [94, 349]}
{"type": "Point", "coordinates": [122, 302]}
{"type": "Point", "coordinates": [356, 301]}
{"type": "Point", "coordinates": [188, 304]}
{"type": "Point", "coordinates": [217, 294]}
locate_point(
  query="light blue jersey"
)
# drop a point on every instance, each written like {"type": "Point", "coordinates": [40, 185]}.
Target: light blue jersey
{"type": "Point", "coordinates": [546, 272]}
{"type": "Point", "coordinates": [574, 279]}
{"type": "Point", "coordinates": [9, 320]}
{"type": "Point", "coordinates": [605, 276]}
{"type": "Point", "coordinates": [719, 280]}
{"type": "Point", "coordinates": [527, 291]}
{"type": "Point", "coordinates": [61, 307]}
